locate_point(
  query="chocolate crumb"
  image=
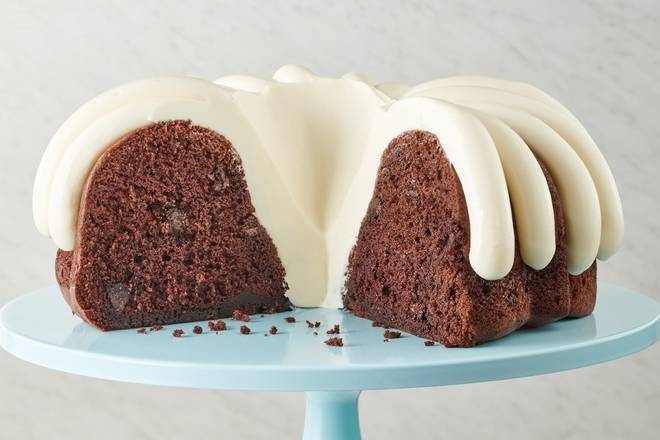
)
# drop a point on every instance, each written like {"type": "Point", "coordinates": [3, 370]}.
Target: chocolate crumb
{"type": "Point", "coordinates": [316, 333]}
{"type": "Point", "coordinates": [334, 342]}
{"type": "Point", "coordinates": [334, 330]}
{"type": "Point", "coordinates": [273, 330]}
{"type": "Point", "coordinates": [376, 324]}
{"type": "Point", "coordinates": [239, 315]}
{"type": "Point", "coordinates": [142, 330]}
{"type": "Point", "coordinates": [177, 333]}
{"type": "Point", "coordinates": [197, 330]}
{"type": "Point", "coordinates": [156, 328]}
{"type": "Point", "coordinates": [290, 319]}
{"type": "Point", "coordinates": [389, 334]}
{"type": "Point", "coordinates": [429, 343]}
{"type": "Point", "coordinates": [386, 340]}
{"type": "Point", "coordinates": [245, 330]}
{"type": "Point", "coordinates": [310, 324]}
{"type": "Point", "coordinates": [218, 326]}
{"type": "Point", "coordinates": [261, 316]}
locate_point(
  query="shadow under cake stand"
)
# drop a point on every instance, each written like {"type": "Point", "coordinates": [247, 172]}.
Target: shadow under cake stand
{"type": "Point", "coordinates": [38, 327]}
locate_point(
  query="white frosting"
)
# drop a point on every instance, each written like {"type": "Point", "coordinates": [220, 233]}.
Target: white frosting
{"type": "Point", "coordinates": [356, 76]}
{"type": "Point", "coordinates": [293, 73]}
{"type": "Point", "coordinates": [530, 196]}
{"type": "Point", "coordinates": [539, 105]}
{"type": "Point", "coordinates": [394, 90]}
{"type": "Point", "coordinates": [311, 149]}
{"type": "Point", "coordinates": [243, 82]}
{"type": "Point", "coordinates": [576, 188]}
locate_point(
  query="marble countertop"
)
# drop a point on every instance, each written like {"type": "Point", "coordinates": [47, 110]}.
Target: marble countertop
{"type": "Point", "coordinates": [601, 59]}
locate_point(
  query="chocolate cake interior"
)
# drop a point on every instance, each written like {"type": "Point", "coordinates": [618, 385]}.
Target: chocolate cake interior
{"type": "Point", "coordinates": [410, 269]}
{"type": "Point", "coordinates": [167, 233]}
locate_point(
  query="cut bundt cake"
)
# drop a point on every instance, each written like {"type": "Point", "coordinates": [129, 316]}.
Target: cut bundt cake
{"type": "Point", "coordinates": [458, 210]}
{"type": "Point", "coordinates": [410, 266]}
{"type": "Point", "coordinates": [167, 232]}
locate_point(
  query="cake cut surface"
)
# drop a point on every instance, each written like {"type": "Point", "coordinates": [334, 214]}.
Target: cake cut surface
{"type": "Point", "coordinates": [410, 269]}
{"type": "Point", "coordinates": [167, 233]}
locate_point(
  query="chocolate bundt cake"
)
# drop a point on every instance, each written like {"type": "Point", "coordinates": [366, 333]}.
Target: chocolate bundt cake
{"type": "Point", "coordinates": [458, 210]}
{"type": "Point", "coordinates": [410, 270]}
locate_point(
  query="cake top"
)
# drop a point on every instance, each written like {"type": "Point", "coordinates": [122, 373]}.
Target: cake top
{"type": "Point", "coordinates": [311, 147]}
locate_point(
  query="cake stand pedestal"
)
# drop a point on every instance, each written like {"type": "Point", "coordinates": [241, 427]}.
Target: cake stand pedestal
{"type": "Point", "coordinates": [39, 328]}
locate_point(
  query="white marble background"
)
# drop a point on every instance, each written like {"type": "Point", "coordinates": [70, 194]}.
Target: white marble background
{"type": "Point", "coordinates": [601, 58]}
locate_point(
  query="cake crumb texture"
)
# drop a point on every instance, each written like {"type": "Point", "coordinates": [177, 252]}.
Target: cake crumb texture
{"type": "Point", "coordinates": [410, 266]}
{"type": "Point", "coordinates": [167, 233]}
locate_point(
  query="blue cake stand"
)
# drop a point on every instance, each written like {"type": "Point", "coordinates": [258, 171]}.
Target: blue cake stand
{"type": "Point", "coordinates": [39, 328]}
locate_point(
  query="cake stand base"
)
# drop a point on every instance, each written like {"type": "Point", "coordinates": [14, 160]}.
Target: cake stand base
{"type": "Point", "coordinates": [332, 415]}
{"type": "Point", "coordinates": [39, 328]}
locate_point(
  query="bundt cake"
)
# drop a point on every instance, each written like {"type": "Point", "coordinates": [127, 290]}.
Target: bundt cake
{"type": "Point", "coordinates": [458, 210]}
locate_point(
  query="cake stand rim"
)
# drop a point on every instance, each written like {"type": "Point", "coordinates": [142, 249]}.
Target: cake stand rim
{"type": "Point", "coordinates": [356, 377]}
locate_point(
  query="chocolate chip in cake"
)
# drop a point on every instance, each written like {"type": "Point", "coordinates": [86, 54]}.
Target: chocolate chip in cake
{"type": "Point", "coordinates": [245, 330]}
{"type": "Point", "coordinates": [197, 330]}
{"type": "Point", "coordinates": [417, 310]}
{"type": "Point", "coordinates": [395, 152]}
{"type": "Point", "coordinates": [376, 324]}
{"type": "Point", "coordinates": [177, 222]}
{"type": "Point", "coordinates": [390, 334]}
{"type": "Point", "coordinates": [219, 181]}
{"type": "Point", "coordinates": [290, 319]}
{"type": "Point", "coordinates": [412, 194]}
{"type": "Point", "coordinates": [334, 342]}
{"type": "Point", "coordinates": [119, 294]}
{"type": "Point", "coordinates": [177, 333]}
{"type": "Point", "coordinates": [251, 232]}
{"type": "Point", "coordinates": [273, 330]}
{"type": "Point", "coordinates": [377, 208]}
